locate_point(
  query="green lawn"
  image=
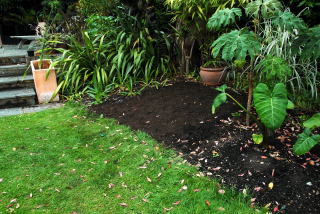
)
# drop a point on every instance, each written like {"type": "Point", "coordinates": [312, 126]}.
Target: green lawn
{"type": "Point", "coordinates": [65, 161]}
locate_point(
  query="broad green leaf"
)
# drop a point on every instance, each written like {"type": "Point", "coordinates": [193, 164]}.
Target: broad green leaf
{"type": "Point", "coordinates": [219, 100]}
{"type": "Point", "coordinates": [306, 141]}
{"type": "Point", "coordinates": [313, 122]}
{"type": "Point", "coordinates": [222, 88]}
{"type": "Point", "coordinates": [271, 106]}
{"type": "Point", "coordinates": [223, 18]}
{"type": "Point", "coordinates": [257, 138]}
{"type": "Point", "coordinates": [288, 21]}
{"type": "Point", "coordinates": [236, 45]}
{"type": "Point", "coordinates": [290, 105]}
{"type": "Point", "coordinates": [263, 8]}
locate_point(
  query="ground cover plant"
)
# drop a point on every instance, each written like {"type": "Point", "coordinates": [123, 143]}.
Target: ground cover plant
{"type": "Point", "coordinates": [66, 161]}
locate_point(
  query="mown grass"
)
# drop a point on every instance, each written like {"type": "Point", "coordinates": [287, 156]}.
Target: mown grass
{"type": "Point", "coordinates": [64, 161]}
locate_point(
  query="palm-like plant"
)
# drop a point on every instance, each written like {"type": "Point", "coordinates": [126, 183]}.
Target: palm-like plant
{"type": "Point", "coordinates": [191, 17]}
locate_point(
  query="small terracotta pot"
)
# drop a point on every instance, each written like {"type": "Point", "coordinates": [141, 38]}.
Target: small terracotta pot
{"type": "Point", "coordinates": [45, 83]}
{"type": "Point", "coordinates": [212, 76]}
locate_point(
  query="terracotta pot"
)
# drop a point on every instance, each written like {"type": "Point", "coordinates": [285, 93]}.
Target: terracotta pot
{"type": "Point", "coordinates": [212, 76]}
{"type": "Point", "coordinates": [45, 83]}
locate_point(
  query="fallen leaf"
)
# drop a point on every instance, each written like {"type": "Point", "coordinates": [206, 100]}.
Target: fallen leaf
{"type": "Point", "coordinates": [167, 209]}
{"type": "Point", "coordinates": [267, 205]}
{"type": "Point", "coordinates": [123, 204]}
{"type": "Point", "coordinates": [311, 163]}
{"type": "Point", "coordinates": [270, 185]}
{"type": "Point", "coordinates": [145, 200]}
{"type": "Point", "coordinates": [258, 189]}
{"type": "Point", "coordinates": [118, 196]}
{"type": "Point", "coordinates": [207, 202]}
{"type": "Point", "coordinates": [177, 203]}
{"type": "Point", "coordinates": [221, 209]}
{"type": "Point", "coordinates": [221, 191]}
{"type": "Point", "coordinates": [196, 190]}
{"type": "Point", "coordinates": [111, 185]}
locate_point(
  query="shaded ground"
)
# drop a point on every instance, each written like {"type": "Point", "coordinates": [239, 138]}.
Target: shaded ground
{"type": "Point", "coordinates": [180, 117]}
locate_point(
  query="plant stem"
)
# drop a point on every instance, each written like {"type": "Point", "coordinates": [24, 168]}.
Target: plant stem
{"type": "Point", "coordinates": [242, 107]}
{"type": "Point", "coordinates": [249, 101]}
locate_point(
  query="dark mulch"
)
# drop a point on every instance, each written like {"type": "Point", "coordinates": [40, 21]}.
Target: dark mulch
{"type": "Point", "coordinates": [180, 116]}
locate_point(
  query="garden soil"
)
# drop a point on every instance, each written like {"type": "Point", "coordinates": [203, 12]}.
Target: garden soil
{"type": "Point", "coordinates": [179, 116]}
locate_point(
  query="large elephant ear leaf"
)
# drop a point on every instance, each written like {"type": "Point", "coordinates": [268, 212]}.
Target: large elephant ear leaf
{"type": "Point", "coordinates": [313, 122]}
{"type": "Point", "coordinates": [306, 141]}
{"type": "Point", "coordinates": [271, 106]}
{"type": "Point", "coordinates": [219, 100]}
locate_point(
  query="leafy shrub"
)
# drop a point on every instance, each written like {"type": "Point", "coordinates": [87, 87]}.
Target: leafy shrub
{"type": "Point", "coordinates": [115, 52]}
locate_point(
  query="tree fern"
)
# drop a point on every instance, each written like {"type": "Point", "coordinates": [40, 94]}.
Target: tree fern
{"type": "Point", "coordinates": [263, 8]}
{"type": "Point", "coordinates": [274, 67]}
{"type": "Point", "coordinates": [288, 21]}
{"type": "Point", "coordinates": [224, 17]}
{"type": "Point", "coordinates": [236, 45]}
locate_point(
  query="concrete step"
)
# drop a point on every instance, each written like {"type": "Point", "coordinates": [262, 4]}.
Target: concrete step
{"type": "Point", "coordinates": [14, 70]}
{"type": "Point", "coordinates": [17, 97]}
{"type": "Point", "coordinates": [30, 109]}
{"type": "Point", "coordinates": [25, 81]}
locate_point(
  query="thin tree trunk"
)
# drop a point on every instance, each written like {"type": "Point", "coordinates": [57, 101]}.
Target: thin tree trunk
{"type": "Point", "coordinates": [249, 101]}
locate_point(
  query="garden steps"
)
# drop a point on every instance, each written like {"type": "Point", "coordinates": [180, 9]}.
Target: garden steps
{"type": "Point", "coordinates": [16, 82]}
{"type": "Point", "coordinates": [17, 97]}
{"type": "Point", "coordinates": [14, 70]}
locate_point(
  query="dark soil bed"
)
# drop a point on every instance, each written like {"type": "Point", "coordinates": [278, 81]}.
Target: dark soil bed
{"type": "Point", "coordinates": [180, 116]}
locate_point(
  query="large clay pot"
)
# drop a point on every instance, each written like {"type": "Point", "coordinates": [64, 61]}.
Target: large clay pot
{"type": "Point", "coordinates": [212, 76]}
{"type": "Point", "coordinates": [45, 80]}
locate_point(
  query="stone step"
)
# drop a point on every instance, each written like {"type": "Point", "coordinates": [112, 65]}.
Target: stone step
{"type": "Point", "coordinates": [31, 109]}
{"type": "Point", "coordinates": [17, 97]}
{"type": "Point", "coordinates": [14, 70]}
{"type": "Point", "coordinates": [25, 81]}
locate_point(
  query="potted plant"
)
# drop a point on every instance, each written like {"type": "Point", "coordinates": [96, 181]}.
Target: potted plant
{"type": "Point", "coordinates": [44, 80]}
{"type": "Point", "coordinates": [213, 72]}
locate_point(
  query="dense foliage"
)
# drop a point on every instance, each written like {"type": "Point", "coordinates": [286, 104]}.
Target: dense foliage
{"type": "Point", "coordinates": [117, 51]}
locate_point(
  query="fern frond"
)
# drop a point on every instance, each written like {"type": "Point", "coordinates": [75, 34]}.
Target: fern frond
{"type": "Point", "coordinates": [308, 44]}
{"type": "Point", "coordinates": [274, 66]}
{"type": "Point", "coordinates": [263, 8]}
{"type": "Point", "coordinates": [288, 21]}
{"type": "Point", "coordinates": [223, 18]}
{"type": "Point", "coordinates": [236, 45]}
